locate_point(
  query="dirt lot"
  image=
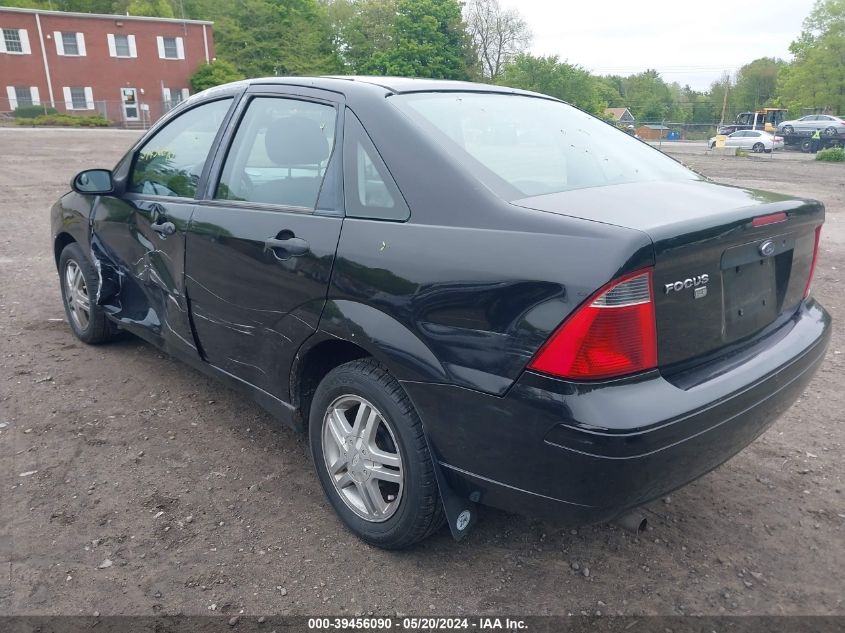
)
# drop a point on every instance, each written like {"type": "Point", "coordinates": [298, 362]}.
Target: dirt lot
{"type": "Point", "coordinates": [132, 484]}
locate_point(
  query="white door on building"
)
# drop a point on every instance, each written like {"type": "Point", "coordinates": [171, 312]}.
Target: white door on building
{"type": "Point", "coordinates": [129, 100]}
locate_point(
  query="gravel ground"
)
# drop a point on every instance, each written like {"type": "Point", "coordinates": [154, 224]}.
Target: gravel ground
{"type": "Point", "coordinates": [132, 484]}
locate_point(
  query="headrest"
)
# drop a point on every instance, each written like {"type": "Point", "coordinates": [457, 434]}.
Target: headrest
{"type": "Point", "coordinates": [296, 140]}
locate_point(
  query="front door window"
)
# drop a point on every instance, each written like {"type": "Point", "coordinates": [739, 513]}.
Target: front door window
{"type": "Point", "coordinates": [171, 162]}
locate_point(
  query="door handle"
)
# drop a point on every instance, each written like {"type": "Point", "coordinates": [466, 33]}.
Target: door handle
{"type": "Point", "coordinates": [164, 228]}
{"type": "Point", "coordinates": [286, 245]}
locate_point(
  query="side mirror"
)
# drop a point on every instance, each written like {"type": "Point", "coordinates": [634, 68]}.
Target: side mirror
{"type": "Point", "coordinates": [93, 181]}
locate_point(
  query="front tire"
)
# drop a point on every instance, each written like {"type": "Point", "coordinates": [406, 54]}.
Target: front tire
{"type": "Point", "coordinates": [79, 281]}
{"type": "Point", "coordinates": [372, 458]}
{"type": "Point", "coordinates": [788, 130]}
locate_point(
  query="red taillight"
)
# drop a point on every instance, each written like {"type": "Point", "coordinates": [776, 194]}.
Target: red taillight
{"type": "Point", "coordinates": [813, 263]}
{"type": "Point", "coordinates": [612, 334]}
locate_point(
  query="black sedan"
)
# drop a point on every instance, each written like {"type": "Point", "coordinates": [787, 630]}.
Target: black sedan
{"type": "Point", "coordinates": [463, 293]}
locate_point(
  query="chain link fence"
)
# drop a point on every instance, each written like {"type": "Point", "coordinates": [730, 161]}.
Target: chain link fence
{"type": "Point", "coordinates": [129, 113]}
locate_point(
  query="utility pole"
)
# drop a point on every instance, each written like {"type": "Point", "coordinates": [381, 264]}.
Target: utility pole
{"type": "Point", "coordinates": [725, 99]}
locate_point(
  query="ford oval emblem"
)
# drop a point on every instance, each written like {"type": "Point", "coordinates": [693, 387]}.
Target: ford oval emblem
{"type": "Point", "coordinates": [767, 248]}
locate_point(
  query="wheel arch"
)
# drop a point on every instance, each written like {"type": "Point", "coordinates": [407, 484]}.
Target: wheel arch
{"type": "Point", "coordinates": [350, 330]}
{"type": "Point", "coordinates": [59, 243]}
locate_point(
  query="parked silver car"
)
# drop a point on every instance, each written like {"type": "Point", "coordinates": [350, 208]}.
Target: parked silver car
{"type": "Point", "coordinates": [755, 140]}
{"type": "Point", "coordinates": [828, 124]}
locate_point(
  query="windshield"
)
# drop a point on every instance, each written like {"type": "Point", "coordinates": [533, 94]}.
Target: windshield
{"type": "Point", "coordinates": [525, 146]}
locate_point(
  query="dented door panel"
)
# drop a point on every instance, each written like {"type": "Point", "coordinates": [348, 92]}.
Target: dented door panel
{"type": "Point", "coordinates": [142, 269]}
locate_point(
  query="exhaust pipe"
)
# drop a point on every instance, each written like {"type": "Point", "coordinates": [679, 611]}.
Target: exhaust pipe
{"type": "Point", "coordinates": [634, 522]}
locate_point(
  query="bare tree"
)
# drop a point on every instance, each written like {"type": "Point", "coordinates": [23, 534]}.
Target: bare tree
{"type": "Point", "coordinates": [498, 34]}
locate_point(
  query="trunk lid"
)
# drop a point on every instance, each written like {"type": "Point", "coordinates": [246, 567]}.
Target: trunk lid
{"type": "Point", "coordinates": [718, 277]}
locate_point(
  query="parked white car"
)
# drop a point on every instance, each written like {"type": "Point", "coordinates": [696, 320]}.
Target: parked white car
{"type": "Point", "coordinates": [755, 140]}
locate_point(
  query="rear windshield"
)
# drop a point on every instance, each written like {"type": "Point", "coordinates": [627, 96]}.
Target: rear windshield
{"type": "Point", "coordinates": [523, 146]}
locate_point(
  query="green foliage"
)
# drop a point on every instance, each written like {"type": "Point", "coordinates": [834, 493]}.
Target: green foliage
{"type": "Point", "coordinates": [361, 28]}
{"type": "Point", "coordinates": [649, 98]}
{"type": "Point", "coordinates": [428, 40]}
{"type": "Point", "coordinates": [264, 37]}
{"type": "Point", "coordinates": [831, 154]}
{"type": "Point", "coordinates": [65, 120]}
{"type": "Point", "coordinates": [557, 79]}
{"type": "Point", "coordinates": [214, 74]}
{"type": "Point", "coordinates": [30, 112]}
{"type": "Point", "coordinates": [756, 84]}
{"type": "Point", "coordinates": [816, 78]}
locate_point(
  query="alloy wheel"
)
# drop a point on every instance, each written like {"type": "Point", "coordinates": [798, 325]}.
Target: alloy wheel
{"type": "Point", "coordinates": [76, 295]}
{"type": "Point", "coordinates": [362, 458]}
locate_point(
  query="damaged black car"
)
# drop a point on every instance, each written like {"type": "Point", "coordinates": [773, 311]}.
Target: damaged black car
{"type": "Point", "coordinates": [464, 294]}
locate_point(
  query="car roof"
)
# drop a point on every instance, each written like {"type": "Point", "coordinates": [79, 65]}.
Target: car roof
{"type": "Point", "coordinates": [391, 85]}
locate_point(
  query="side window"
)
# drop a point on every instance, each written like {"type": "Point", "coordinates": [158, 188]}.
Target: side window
{"type": "Point", "coordinates": [369, 189]}
{"type": "Point", "coordinates": [280, 153]}
{"type": "Point", "coordinates": [171, 162]}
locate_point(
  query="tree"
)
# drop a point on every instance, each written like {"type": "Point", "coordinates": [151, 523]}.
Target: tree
{"type": "Point", "coordinates": [816, 78]}
{"type": "Point", "coordinates": [214, 74]}
{"type": "Point", "coordinates": [361, 28]}
{"type": "Point", "coordinates": [558, 79]}
{"type": "Point", "coordinates": [649, 98]}
{"type": "Point", "coordinates": [721, 97]}
{"type": "Point", "coordinates": [497, 34]}
{"type": "Point", "coordinates": [756, 84]}
{"type": "Point", "coordinates": [428, 40]}
{"type": "Point", "coordinates": [266, 37]}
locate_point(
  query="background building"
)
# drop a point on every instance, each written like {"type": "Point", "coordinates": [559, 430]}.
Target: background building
{"type": "Point", "coordinates": [129, 69]}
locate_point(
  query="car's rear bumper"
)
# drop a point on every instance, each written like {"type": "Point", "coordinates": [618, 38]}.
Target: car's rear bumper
{"type": "Point", "coordinates": [587, 453]}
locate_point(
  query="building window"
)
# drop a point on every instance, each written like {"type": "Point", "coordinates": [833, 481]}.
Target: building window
{"type": "Point", "coordinates": [78, 98]}
{"type": "Point", "coordinates": [14, 41]}
{"type": "Point", "coordinates": [170, 48]}
{"type": "Point", "coordinates": [24, 96]}
{"type": "Point", "coordinates": [69, 43]}
{"type": "Point", "coordinates": [174, 96]}
{"type": "Point", "coordinates": [122, 45]}
{"type": "Point", "coordinates": [21, 97]}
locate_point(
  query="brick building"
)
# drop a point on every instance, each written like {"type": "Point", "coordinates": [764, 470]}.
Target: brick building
{"type": "Point", "coordinates": [131, 69]}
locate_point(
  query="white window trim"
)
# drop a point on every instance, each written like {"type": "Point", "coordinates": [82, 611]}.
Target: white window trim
{"type": "Point", "coordinates": [12, 95]}
{"type": "Point", "coordinates": [23, 36]}
{"type": "Point", "coordinates": [60, 45]}
{"type": "Point", "coordinates": [180, 48]}
{"type": "Point", "coordinates": [89, 98]}
{"type": "Point", "coordinates": [185, 93]}
{"type": "Point", "coordinates": [130, 39]}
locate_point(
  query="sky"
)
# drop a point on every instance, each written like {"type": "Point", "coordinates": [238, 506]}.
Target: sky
{"type": "Point", "coordinates": [691, 43]}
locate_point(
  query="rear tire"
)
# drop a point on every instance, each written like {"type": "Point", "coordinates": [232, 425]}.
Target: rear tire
{"type": "Point", "coordinates": [372, 458]}
{"type": "Point", "coordinates": [831, 131]}
{"type": "Point", "coordinates": [758, 148]}
{"type": "Point", "coordinates": [79, 282]}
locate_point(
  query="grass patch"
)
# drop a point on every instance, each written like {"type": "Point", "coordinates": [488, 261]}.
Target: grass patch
{"type": "Point", "coordinates": [65, 120]}
{"type": "Point", "coordinates": [831, 154]}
